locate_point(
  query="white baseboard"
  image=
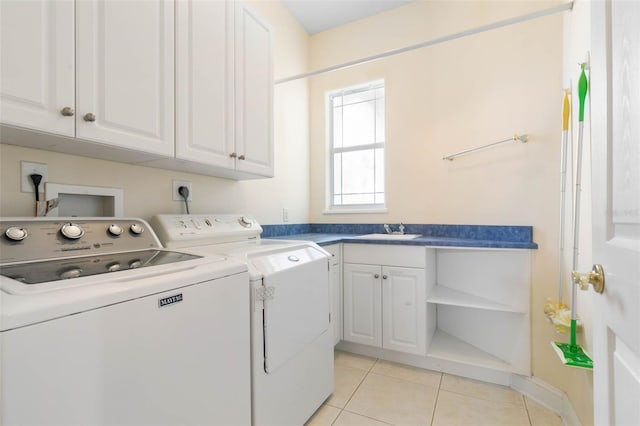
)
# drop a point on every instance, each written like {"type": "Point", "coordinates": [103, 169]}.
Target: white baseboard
{"type": "Point", "coordinates": [548, 396]}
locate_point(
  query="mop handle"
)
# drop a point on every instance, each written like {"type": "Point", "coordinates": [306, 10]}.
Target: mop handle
{"type": "Point", "coordinates": [563, 186]}
{"type": "Point", "coordinates": [582, 94]}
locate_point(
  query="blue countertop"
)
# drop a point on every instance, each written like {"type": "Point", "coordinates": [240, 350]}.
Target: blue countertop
{"type": "Point", "coordinates": [478, 236]}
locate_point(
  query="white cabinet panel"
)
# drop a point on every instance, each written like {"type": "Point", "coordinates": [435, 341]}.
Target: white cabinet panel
{"type": "Point", "coordinates": [37, 75]}
{"type": "Point", "coordinates": [335, 289]}
{"type": "Point", "coordinates": [224, 96]}
{"type": "Point", "coordinates": [404, 309]}
{"type": "Point", "coordinates": [125, 74]}
{"type": "Point", "coordinates": [205, 82]}
{"type": "Point", "coordinates": [362, 304]}
{"type": "Point", "coordinates": [254, 93]}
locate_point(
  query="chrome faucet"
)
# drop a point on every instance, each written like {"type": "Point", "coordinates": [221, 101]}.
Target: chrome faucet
{"type": "Point", "coordinates": [400, 230]}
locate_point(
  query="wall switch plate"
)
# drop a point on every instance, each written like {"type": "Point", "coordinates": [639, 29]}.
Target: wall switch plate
{"type": "Point", "coordinates": [177, 184]}
{"type": "Point", "coordinates": [27, 168]}
{"type": "Point", "coordinates": [285, 214]}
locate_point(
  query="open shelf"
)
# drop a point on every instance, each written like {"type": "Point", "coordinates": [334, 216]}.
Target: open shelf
{"type": "Point", "coordinates": [447, 296]}
{"type": "Point", "coordinates": [447, 347]}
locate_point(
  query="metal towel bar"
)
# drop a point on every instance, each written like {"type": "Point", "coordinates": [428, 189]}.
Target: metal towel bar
{"type": "Point", "coordinates": [521, 138]}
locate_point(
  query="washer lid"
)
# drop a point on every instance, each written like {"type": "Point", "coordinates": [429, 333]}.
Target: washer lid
{"type": "Point", "coordinates": [82, 266]}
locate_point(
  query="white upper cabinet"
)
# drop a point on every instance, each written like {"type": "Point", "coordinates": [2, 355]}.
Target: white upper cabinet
{"type": "Point", "coordinates": [224, 88]}
{"type": "Point", "coordinates": [104, 74]}
{"type": "Point", "coordinates": [125, 74]}
{"type": "Point", "coordinates": [205, 82]}
{"type": "Point", "coordinates": [37, 75]}
{"type": "Point", "coordinates": [254, 93]}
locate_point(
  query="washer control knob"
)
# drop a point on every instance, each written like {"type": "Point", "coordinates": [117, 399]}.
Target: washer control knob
{"type": "Point", "coordinates": [115, 229]}
{"type": "Point", "coordinates": [113, 266]}
{"type": "Point", "coordinates": [72, 272]}
{"type": "Point", "coordinates": [15, 233]}
{"type": "Point", "coordinates": [137, 229]}
{"type": "Point", "coordinates": [245, 221]}
{"type": "Point", "coordinates": [135, 263]}
{"type": "Point", "coordinates": [73, 231]}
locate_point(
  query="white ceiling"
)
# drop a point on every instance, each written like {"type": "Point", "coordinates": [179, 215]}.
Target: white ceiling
{"type": "Point", "coordinates": [320, 15]}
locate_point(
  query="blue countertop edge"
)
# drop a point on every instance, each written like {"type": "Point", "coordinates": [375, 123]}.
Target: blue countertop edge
{"type": "Point", "coordinates": [306, 232]}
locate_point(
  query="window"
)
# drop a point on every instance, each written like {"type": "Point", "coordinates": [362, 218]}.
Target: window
{"type": "Point", "coordinates": [357, 140]}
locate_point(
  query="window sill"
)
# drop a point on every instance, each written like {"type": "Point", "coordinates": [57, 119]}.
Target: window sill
{"type": "Point", "coordinates": [355, 210]}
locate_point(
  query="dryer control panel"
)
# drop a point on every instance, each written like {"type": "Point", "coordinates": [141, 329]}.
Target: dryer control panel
{"type": "Point", "coordinates": [189, 230]}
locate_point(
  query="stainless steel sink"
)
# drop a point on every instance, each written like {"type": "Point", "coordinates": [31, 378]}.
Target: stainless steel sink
{"type": "Point", "coordinates": [400, 237]}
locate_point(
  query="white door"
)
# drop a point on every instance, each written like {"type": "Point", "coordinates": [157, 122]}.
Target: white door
{"type": "Point", "coordinates": [254, 93]}
{"type": "Point", "coordinates": [362, 304]}
{"type": "Point", "coordinates": [404, 312]}
{"type": "Point", "coordinates": [615, 103]}
{"type": "Point", "coordinates": [125, 74]}
{"type": "Point", "coordinates": [37, 75]}
{"type": "Point", "coordinates": [205, 82]}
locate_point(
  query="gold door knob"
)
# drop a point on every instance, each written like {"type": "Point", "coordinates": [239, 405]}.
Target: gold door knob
{"type": "Point", "coordinates": [67, 111]}
{"type": "Point", "coordinates": [89, 117]}
{"type": "Point", "coordinates": [595, 278]}
{"type": "Point", "coordinates": [241, 157]}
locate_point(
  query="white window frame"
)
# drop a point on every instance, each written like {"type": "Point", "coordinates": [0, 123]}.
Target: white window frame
{"type": "Point", "coordinates": [332, 208]}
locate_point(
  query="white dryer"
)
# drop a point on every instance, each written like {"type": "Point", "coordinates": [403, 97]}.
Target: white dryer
{"type": "Point", "coordinates": [292, 341]}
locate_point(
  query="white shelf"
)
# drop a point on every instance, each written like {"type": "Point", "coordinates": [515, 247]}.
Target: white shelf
{"type": "Point", "coordinates": [447, 296]}
{"type": "Point", "coordinates": [447, 347]}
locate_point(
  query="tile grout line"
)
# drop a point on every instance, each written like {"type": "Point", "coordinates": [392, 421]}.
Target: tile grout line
{"type": "Point", "coordinates": [354, 392]}
{"type": "Point", "coordinates": [435, 404]}
{"type": "Point", "coordinates": [526, 409]}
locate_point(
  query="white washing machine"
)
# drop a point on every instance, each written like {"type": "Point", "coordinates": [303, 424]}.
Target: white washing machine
{"type": "Point", "coordinates": [292, 341]}
{"type": "Point", "coordinates": [101, 326]}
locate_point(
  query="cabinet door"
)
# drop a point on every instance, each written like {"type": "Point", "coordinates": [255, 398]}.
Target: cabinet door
{"type": "Point", "coordinates": [404, 308]}
{"type": "Point", "coordinates": [205, 82]}
{"type": "Point", "coordinates": [362, 304]}
{"type": "Point", "coordinates": [37, 75]}
{"type": "Point", "coordinates": [254, 93]}
{"type": "Point", "coordinates": [125, 76]}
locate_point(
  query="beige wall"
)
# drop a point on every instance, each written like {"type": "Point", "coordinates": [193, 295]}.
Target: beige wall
{"type": "Point", "coordinates": [453, 96]}
{"type": "Point", "coordinates": [147, 191]}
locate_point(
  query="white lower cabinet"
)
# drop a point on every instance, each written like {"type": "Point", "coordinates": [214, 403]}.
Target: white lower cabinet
{"type": "Point", "coordinates": [383, 304]}
{"type": "Point", "coordinates": [460, 310]}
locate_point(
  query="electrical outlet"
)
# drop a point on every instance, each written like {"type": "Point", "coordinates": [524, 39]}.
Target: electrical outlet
{"type": "Point", "coordinates": [177, 184]}
{"type": "Point", "coordinates": [27, 168]}
{"type": "Point", "coordinates": [285, 214]}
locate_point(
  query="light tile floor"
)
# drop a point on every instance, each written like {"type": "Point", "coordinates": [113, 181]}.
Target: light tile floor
{"type": "Point", "coordinates": [373, 392]}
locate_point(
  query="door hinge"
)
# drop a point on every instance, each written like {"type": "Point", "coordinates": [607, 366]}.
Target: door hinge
{"type": "Point", "coordinates": [265, 293]}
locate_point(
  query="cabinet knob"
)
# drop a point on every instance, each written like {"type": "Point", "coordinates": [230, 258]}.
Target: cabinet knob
{"type": "Point", "coordinates": [67, 111]}
{"type": "Point", "coordinates": [89, 117]}
{"type": "Point", "coordinates": [241, 157]}
{"type": "Point", "coordinates": [384, 277]}
{"type": "Point", "coordinates": [376, 276]}
{"type": "Point", "coordinates": [233, 155]}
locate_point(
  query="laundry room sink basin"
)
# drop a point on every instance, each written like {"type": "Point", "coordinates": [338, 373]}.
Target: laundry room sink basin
{"type": "Point", "coordinates": [398, 237]}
